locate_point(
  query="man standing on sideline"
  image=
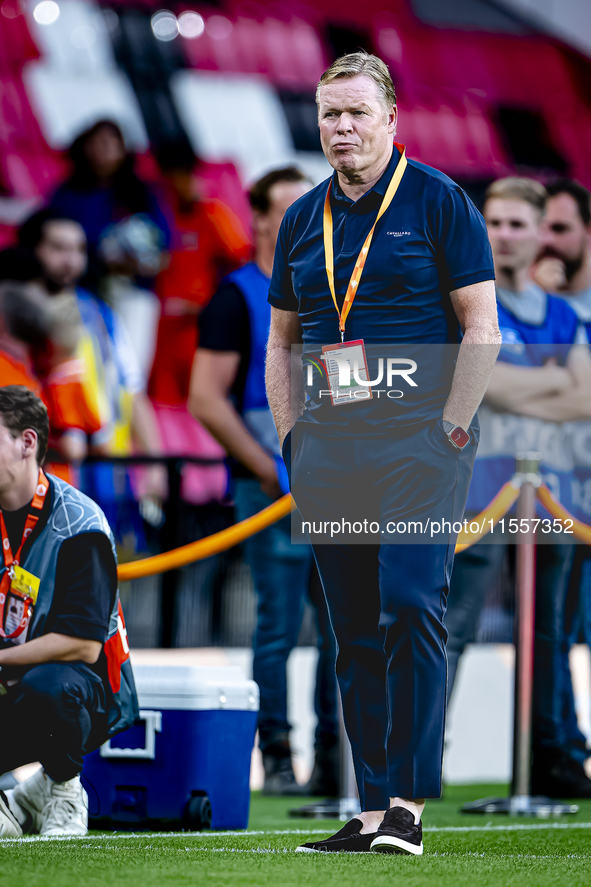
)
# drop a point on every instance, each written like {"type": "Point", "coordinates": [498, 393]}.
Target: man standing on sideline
{"type": "Point", "coordinates": [541, 374]}
{"type": "Point", "coordinates": [228, 397]}
{"type": "Point", "coordinates": [426, 273]}
{"type": "Point", "coordinates": [65, 676]}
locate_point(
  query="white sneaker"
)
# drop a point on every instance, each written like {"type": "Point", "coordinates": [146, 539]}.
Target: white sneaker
{"type": "Point", "coordinates": [10, 827]}
{"type": "Point", "coordinates": [66, 809]}
{"type": "Point", "coordinates": [27, 800]}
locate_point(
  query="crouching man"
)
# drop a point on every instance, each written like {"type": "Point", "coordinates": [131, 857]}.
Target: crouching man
{"type": "Point", "coordinates": [65, 676]}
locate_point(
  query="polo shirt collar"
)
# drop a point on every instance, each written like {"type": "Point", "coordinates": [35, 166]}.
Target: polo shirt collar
{"type": "Point", "coordinates": [380, 187]}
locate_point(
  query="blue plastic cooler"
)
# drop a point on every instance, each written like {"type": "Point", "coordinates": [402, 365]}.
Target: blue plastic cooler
{"type": "Point", "coordinates": [192, 749]}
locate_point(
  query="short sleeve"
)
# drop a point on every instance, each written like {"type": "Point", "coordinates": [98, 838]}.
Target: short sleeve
{"type": "Point", "coordinates": [464, 255]}
{"type": "Point", "coordinates": [281, 293]}
{"type": "Point", "coordinates": [224, 323]}
{"type": "Point", "coordinates": [85, 587]}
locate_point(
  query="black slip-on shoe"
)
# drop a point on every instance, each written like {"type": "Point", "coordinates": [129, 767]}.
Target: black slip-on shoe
{"type": "Point", "coordinates": [348, 840]}
{"type": "Point", "coordinates": [398, 833]}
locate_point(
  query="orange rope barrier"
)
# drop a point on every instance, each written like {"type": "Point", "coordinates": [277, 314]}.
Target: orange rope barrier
{"type": "Point", "coordinates": [580, 530]}
{"type": "Point", "coordinates": [196, 551]}
{"type": "Point", "coordinates": [222, 541]}
{"type": "Point", "coordinates": [497, 509]}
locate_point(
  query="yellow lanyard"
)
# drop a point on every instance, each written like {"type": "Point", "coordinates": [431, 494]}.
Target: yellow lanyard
{"type": "Point", "coordinates": [360, 263]}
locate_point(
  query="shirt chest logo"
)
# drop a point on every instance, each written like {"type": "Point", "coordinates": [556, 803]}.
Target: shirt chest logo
{"type": "Point", "coordinates": [398, 233]}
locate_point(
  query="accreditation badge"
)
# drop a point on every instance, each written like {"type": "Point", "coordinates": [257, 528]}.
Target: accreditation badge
{"type": "Point", "coordinates": [346, 369]}
{"type": "Point", "coordinates": [20, 604]}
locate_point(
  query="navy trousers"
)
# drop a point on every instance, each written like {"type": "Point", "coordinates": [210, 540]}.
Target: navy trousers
{"type": "Point", "coordinates": [55, 714]}
{"type": "Point", "coordinates": [387, 599]}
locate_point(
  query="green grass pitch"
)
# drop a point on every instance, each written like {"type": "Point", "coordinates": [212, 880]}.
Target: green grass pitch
{"type": "Point", "coordinates": [470, 850]}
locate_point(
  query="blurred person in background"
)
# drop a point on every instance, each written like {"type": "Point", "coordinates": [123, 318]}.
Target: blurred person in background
{"type": "Point", "coordinates": [228, 397]}
{"type": "Point", "coordinates": [127, 231]}
{"type": "Point", "coordinates": [565, 266]}
{"type": "Point", "coordinates": [23, 326]}
{"type": "Point", "coordinates": [543, 371]}
{"type": "Point", "coordinates": [105, 357]}
{"type": "Point", "coordinates": [130, 247]}
{"type": "Point", "coordinates": [104, 188]}
{"type": "Point", "coordinates": [208, 241]}
{"type": "Point", "coordinates": [46, 335]}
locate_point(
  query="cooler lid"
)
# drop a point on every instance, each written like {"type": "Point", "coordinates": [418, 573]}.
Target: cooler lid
{"type": "Point", "coordinates": [190, 687]}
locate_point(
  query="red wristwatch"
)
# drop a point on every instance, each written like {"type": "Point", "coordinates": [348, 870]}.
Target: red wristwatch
{"type": "Point", "coordinates": [458, 437]}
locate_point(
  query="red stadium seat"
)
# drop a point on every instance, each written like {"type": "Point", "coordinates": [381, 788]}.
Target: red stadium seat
{"type": "Point", "coordinates": [28, 167]}
{"type": "Point", "coordinates": [452, 133]}
{"type": "Point", "coordinates": [294, 52]}
{"type": "Point", "coordinates": [221, 180]}
{"type": "Point", "coordinates": [491, 158]}
{"type": "Point", "coordinates": [280, 53]}
{"type": "Point", "coordinates": [249, 37]}
{"type": "Point", "coordinates": [289, 53]}
{"type": "Point", "coordinates": [16, 44]}
{"type": "Point", "coordinates": [18, 126]}
{"type": "Point", "coordinates": [573, 136]}
{"type": "Point", "coordinates": [211, 52]}
{"type": "Point", "coordinates": [7, 235]}
{"type": "Point", "coordinates": [310, 54]}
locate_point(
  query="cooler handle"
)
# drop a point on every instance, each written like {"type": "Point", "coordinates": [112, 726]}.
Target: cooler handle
{"type": "Point", "coordinates": [153, 721]}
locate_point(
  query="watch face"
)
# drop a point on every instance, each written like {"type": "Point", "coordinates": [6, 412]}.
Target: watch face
{"type": "Point", "coordinates": [460, 437]}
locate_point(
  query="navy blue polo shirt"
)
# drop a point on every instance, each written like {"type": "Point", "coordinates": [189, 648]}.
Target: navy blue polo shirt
{"type": "Point", "coordinates": [431, 240]}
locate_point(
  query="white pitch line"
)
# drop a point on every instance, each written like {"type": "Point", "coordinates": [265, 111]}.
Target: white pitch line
{"type": "Point", "coordinates": [516, 827]}
{"type": "Point", "coordinates": [142, 836]}
{"type": "Point", "coordinates": [453, 855]}
{"type": "Point", "coordinates": [283, 851]}
{"type": "Point", "coordinates": [147, 835]}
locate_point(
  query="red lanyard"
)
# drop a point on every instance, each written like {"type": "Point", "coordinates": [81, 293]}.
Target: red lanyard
{"type": "Point", "coordinates": [10, 560]}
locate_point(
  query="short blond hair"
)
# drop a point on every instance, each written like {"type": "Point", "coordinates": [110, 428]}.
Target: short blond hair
{"type": "Point", "coordinates": [356, 63]}
{"type": "Point", "coordinates": [518, 188]}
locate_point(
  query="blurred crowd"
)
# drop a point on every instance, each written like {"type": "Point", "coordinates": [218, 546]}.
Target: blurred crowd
{"type": "Point", "coordinates": [99, 304]}
{"type": "Point", "coordinates": [538, 400]}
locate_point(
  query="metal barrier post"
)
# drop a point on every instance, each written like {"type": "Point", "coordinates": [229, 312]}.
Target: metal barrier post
{"type": "Point", "coordinates": [527, 468]}
{"type": "Point", "coordinates": [170, 540]}
{"type": "Point", "coordinates": [520, 800]}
